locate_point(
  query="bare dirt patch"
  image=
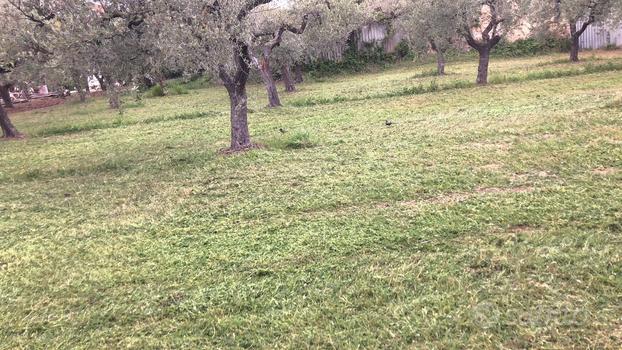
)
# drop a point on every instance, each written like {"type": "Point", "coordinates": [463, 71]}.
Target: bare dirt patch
{"type": "Point", "coordinates": [230, 151]}
{"type": "Point", "coordinates": [519, 228]}
{"type": "Point", "coordinates": [605, 171]}
{"type": "Point", "coordinates": [492, 167]}
{"type": "Point", "coordinates": [36, 104]}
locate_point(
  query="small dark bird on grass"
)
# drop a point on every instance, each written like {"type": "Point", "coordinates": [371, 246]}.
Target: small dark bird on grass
{"type": "Point", "coordinates": [283, 131]}
{"type": "Point", "coordinates": [388, 123]}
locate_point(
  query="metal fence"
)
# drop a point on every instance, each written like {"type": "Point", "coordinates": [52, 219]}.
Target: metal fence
{"type": "Point", "coordinates": [599, 37]}
{"type": "Point", "coordinates": [375, 34]}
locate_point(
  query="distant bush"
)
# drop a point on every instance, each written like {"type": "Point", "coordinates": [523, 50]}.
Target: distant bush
{"type": "Point", "coordinates": [197, 82]}
{"type": "Point", "coordinates": [177, 89]}
{"type": "Point", "coordinates": [173, 89]}
{"type": "Point", "coordinates": [353, 61]}
{"type": "Point", "coordinates": [156, 91]}
{"type": "Point", "coordinates": [403, 50]}
{"type": "Point", "coordinates": [530, 47]}
{"type": "Point", "coordinates": [611, 47]}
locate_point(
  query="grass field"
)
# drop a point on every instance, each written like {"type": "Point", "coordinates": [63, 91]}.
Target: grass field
{"type": "Point", "coordinates": [486, 217]}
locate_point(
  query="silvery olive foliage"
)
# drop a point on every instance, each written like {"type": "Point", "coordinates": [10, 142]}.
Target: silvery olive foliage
{"type": "Point", "coordinates": [223, 37]}
{"type": "Point", "coordinates": [429, 25]}
{"type": "Point", "coordinates": [292, 29]}
{"type": "Point", "coordinates": [108, 39]}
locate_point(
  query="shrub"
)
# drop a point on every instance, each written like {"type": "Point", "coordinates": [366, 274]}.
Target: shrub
{"type": "Point", "coordinates": [178, 89]}
{"type": "Point", "coordinates": [530, 47]}
{"type": "Point", "coordinates": [198, 82]}
{"type": "Point", "coordinates": [403, 50]}
{"type": "Point", "coordinates": [353, 61]}
{"type": "Point", "coordinates": [156, 91]}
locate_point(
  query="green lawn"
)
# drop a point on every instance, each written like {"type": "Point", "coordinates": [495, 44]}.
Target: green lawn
{"type": "Point", "coordinates": [487, 217]}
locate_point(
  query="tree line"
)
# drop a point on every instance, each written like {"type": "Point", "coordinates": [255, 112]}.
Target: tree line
{"type": "Point", "coordinates": [138, 41]}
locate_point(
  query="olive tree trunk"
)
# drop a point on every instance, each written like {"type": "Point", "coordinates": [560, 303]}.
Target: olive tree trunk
{"type": "Point", "coordinates": [6, 96]}
{"type": "Point", "coordinates": [235, 83]}
{"type": "Point", "coordinates": [287, 78]}
{"type": "Point", "coordinates": [489, 38]}
{"type": "Point", "coordinates": [8, 129]}
{"type": "Point", "coordinates": [113, 97]}
{"type": "Point", "coordinates": [266, 75]}
{"type": "Point", "coordinates": [440, 63]}
{"type": "Point", "coordinates": [82, 93]}
{"type": "Point", "coordinates": [240, 136]}
{"type": "Point", "coordinates": [298, 74]}
{"type": "Point", "coordinates": [78, 81]}
{"type": "Point", "coordinates": [103, 84]}
{"type": "Point", "coordinates": [575, 34]}
{"type": "Point", "coordinates": [482, 69]}
{"type": "Point", "coordinates": [574, 49]}
{"type": "Point", "coordinates": [440, 57]}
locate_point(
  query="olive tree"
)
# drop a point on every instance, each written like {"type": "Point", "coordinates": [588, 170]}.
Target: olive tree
{"type": "Point", "coordinates": [576, 16]}
{"type": "Point", "coordinates": [218, 36]}
{"type": "Point", "coordinates": [22, 46]}
{"type": "Point", "coordinates": [320, 23]}
{"type": "Point", "coordinates": [429, 25]}
{"type": "Point", "coordinates": [483, 23]}
{"type": "Point", "coordinates": [103, 38]}
{"type": "Point", "coordinates": [290, 54]}
{"type": "Point", "coordinates": [269, 36]}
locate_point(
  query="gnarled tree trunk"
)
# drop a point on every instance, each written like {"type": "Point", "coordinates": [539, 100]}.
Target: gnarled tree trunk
{"type": "Point", "coordinates": [575, 35]}
{"type": "Point", "coordinates": [82, 93]}
{"type": "Point", "coordinates": [287, 78]}
{"type": "Point", "coordinates": [113, 97]}
{"type": "Point", "coordinates": [78, 81]}
{"type": "Point", "coordinates": [440, 63]}
{"type": "Point", "coordinates": [440, 58]}
{"type": "Point", "coordinates": [240, 136]}
{"type": "Point", "coordinates": [574, 50]}
{"type": "Point", "coordinates": [103, 84]}
{"type": "Point", "coordinates": [266, 75]}
{"type": "Point", "coordinates": [6, 96]}
{"type": "Point", "coordinates": [298, 74]}
{"type": "Point", "coordinates": [236, 87]}
{"type": "Point", "coordinates": [574, 42]}
{"type": "Point", "coordinates": [264, 63]}
{"type": "Point", "coordinates": [488, 39]}
{"type": "Point", "coordinates": [8, 129]}
{"type": "Point", "coordinates": [482, 69]}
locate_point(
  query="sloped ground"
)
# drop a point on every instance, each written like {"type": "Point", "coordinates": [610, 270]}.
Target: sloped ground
{"type": "Point", "coordinates": [484, 218]}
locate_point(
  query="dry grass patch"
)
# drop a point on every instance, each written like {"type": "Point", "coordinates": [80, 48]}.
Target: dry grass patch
{"type": "Point", "coordinates": [605, 171]}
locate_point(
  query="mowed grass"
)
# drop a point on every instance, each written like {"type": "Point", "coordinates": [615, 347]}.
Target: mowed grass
{"type": "Point", "coordinates": [486, 217]}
